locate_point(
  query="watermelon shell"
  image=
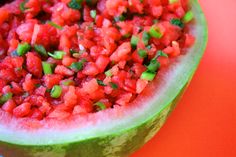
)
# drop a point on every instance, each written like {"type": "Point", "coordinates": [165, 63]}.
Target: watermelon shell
{"type": "Point", "coordinates": [111, 133]}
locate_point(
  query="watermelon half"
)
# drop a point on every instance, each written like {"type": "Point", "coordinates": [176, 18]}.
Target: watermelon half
{"type": "Point", "coordinates": [113, 132]}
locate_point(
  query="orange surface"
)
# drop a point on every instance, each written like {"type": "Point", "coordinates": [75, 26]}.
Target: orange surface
{"type": "Point", "coordinates": [203, 124]}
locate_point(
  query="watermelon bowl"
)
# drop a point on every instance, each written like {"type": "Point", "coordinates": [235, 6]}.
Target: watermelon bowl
{"type": "Point", "coordinates": [112, 132]}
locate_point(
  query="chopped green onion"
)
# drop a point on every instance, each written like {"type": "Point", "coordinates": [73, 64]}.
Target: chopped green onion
{"type": "Point", "coordinates": [37, 85]}
{"type": "Point", "coordinates": [77, 66]}
{"type": "Point", "coordinates": [41, 50]}
{"type": "Point", "coordinates": [145, 38]}
{"type": "Point", "coordinates": [5, 97]}
{"type": "Point", "coordinates": [68, 82]}
{"type": "Point", "coordinates": [177, 22]}
{"type": "Point", "coordinates": [134, 41]}
{"type": "Point", "coordinates": [155, 32]}
{"type": "Point", "coordinates": [72, 51]}
{"type": "Point", "coordinates": [100, 105]}
{"type": "Point", "coordinates": [55, 25]}
{"type": "Point", "coordinates": [142, 53]}
{"type": "Point", "coordinates": [153, 66]}
{"type": "Point", "coordinates": [93, 13]}
{"type": "Point", "coordinates": [22, 6]}
{"type": "Point", "coordinates": [47, 68]}
{"type": "Point", "coordinates": [23, 49]}
{"type": "Point", "coordinates": [126, 35]}
{"type": "Point", "coordinates": [173, 1]}
{"type": "Point", "coordinates": [149, 76]}
{"type": "Point", "coordinates": [162, 54]}
{"type": "Point", "coordinates": [113, 85]}
{"type": "Point", "coordinates": [57, 54]}
{"type": "Point", "coordinates": [120, 18]}
{"type": "Point", "coordinates": [56, 91]}
{"type": "Point", "coordinates": [188, 17]}
{"type": "Point", "coordinates": [100, 82]}
{"type": "Point", "coordinates": [108, 73]}
{"type": "Point", "coordinates": [75, 4]}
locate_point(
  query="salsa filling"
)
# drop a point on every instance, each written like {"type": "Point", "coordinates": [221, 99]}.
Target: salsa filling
{"type": "Point", "coordinates": [60, 58]}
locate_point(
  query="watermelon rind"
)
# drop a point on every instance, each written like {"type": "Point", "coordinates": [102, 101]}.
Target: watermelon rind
{"type": "Point", "coordinates": [116, 137]}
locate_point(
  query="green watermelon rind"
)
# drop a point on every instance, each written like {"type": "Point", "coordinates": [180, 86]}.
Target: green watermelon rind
{"type": "Point", "coordinates": [124, 141]}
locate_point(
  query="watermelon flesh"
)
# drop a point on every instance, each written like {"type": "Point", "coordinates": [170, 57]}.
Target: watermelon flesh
{"type": "Point", "coordinates": [111, 132]}
{"type": "Point", "coordinates": [104, 62]}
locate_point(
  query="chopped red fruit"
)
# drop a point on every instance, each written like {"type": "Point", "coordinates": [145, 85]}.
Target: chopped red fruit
{"type": "Point", "coordinates": [22, 110]}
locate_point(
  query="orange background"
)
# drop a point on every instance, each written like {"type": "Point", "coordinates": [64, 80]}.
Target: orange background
{"type": "Point", "coordinates": [203, 123]}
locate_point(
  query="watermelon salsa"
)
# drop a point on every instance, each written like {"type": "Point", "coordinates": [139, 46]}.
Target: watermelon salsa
{"type": "Point", "coordinates": [60, 58]}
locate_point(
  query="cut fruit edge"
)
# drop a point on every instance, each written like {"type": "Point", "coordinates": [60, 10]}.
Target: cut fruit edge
{"type": "Point", "coordinates": [113, 122]}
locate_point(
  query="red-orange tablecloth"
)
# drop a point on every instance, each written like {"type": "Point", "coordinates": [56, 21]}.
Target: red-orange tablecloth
{"type": "Point", "coordinates": [203, 124]}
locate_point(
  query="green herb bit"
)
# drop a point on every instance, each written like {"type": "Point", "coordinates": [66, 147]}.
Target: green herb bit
{"type": "Point", "coordinates": [177, 22]}
{"type": "Point", "coordinates": [5, 97]}
{"type": "Point", "coordinates": [188, 17]}
{"type": "Point", "coordinates": [113, 85]}
{"type": "Point", "coordinates": [93, 13]}
{"type": "Point", "coordinates": [22, 6]}
{"type": "Point", "coordinates": [142, 53]}
{"type": "Point", "coordinates": [126, 35]}
{"type": "Point", "coordinates": [155, 32]}
{"type": "Point", "coordinates": [134, 41]}
{"type": "Point", "coordinates": [47, 68]}
{"type": "Point", "coordinates": [56, 91]}
{"type": "Point", "coordinates": [153, 66]}
{"type": "Point", "coordinates": [57, 54]}
{"type": "Point", "coordinates": [22, 49]}
{"type": "Point", "coordinates": [72, 51]}
{"type": "Point", "coordinates": [120, 18]}
{"type": "Point", "coordinates": [41, 50]}
{"type": "Point", "coordinates": [100, 106]}
{"type": "Point", "coordinates": [100, 82]}
{"type": "Point", "coordinates": [77, 66]}
{"type": "Point", "coordinates": [55, 25]}
{"type": "Point", "coordinates": [162, 54]}
{"type": "Point", "coordinates": [75, 4]}
{"type": "Point", "coordinates": [146, 37]}
{"type": "Point", "coordinates": [37, 85]}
